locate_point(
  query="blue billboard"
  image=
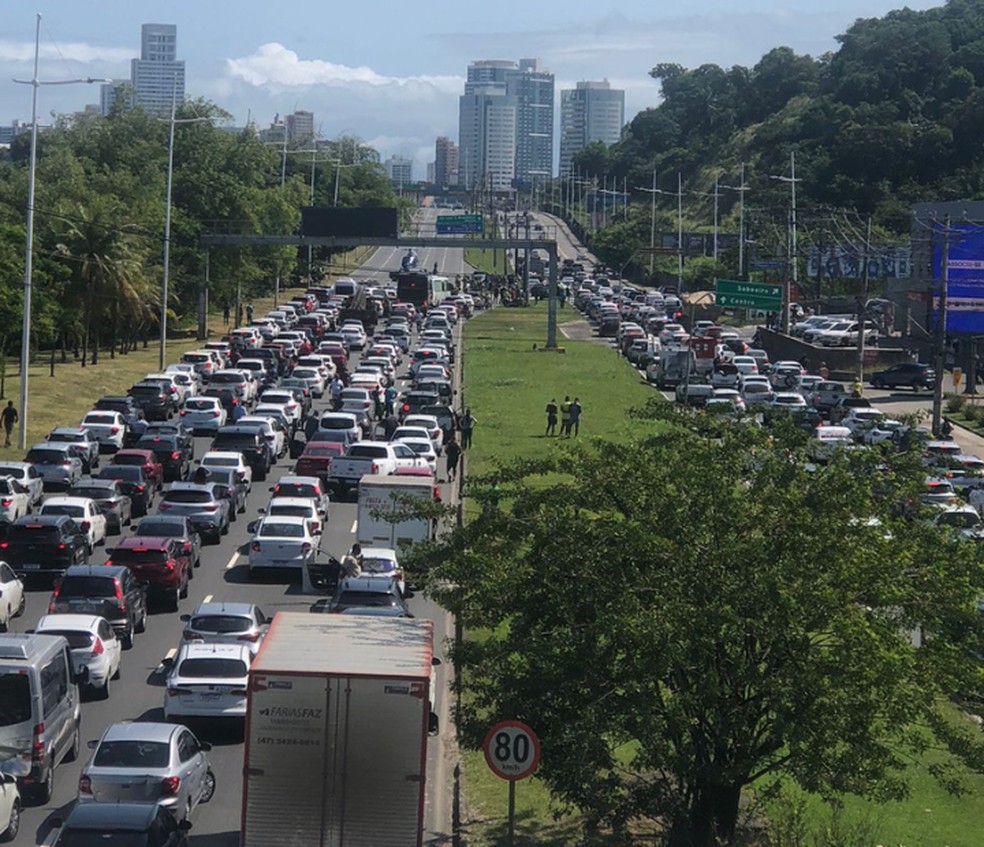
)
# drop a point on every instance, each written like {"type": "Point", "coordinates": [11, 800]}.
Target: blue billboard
{"type": "Point", "coordinates": [965, 277]}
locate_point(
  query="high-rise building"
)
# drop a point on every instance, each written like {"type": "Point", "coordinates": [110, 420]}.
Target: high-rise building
{"type": "Point", "coordinates": [399, 169]}
{"type": "Point", "coordinates": [158, 76]}
{"type": "Point", "coordinates": [300, 128]}
{"type": "Point", "coordinates": [486, 137]}
{"type": "Point", "coordinates": [533, 87]}
{"type": "Point", "coordinates": [431, 171]}
{"type": "Point", "coordinates": [594, 111]}
{"type": "Point", "coordinates": [110, 92]}
{"type": "Point", "coordinates": [9, 133]}
{"type": "Point", "coordinates": [445, 161]}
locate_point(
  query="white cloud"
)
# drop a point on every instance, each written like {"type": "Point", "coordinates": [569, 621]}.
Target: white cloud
{"type": "Point", "coordinates": [273, 64]}
{"type": "Point", "coordinates": [73, 51]}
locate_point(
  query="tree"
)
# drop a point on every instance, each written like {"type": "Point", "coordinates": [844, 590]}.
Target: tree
{"type": "Point", "coordinates": [680, 616]}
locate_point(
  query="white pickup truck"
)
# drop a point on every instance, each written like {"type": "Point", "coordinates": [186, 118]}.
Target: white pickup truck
{"type": "Point", "coordinates": [381, 458]}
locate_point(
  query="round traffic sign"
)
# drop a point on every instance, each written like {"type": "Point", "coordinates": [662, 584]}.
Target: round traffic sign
{"type": "Point", "coordinates": [512, 750]}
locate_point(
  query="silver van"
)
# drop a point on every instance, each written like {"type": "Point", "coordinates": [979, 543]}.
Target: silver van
{"type": "Point", "coordinates": [39, 709]}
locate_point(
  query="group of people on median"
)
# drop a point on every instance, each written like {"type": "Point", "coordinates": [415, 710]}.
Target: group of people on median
{"type": "Point", "coordinates": [570, 417]}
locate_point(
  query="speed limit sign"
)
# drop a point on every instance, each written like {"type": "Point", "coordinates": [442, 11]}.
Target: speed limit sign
{"type": "Point", "coordinates": [512, 750]}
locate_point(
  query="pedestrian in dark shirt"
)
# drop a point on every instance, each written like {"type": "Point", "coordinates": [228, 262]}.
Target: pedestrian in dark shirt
{"type": "Point", "coordinates": [466, 423]}
{"type": "Point", "coordinates": [575, 424]}
{"type": "Point", "coordinates": [452, 452]}
{"type": "Point", "coordinates": [551, 418]}
{"type": "Point", "coordinates": [9, 417]}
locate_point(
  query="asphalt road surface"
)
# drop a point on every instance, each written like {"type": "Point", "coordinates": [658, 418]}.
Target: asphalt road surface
{"type": "Point", "coordinates": [223, 576]}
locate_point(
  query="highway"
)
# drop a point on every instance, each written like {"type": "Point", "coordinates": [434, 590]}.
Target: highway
{"type": "Point", "coordinates": [223, 576]}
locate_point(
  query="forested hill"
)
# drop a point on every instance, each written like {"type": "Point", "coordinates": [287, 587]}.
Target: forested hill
{"type": "Point", "coordinates": [894, 116]}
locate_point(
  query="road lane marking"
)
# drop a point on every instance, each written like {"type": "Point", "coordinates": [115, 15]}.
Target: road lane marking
{"type": "Point", "coordinates": [208, 598]}
{"type": "Point", "coordinates": [355, 526]}
{"type": "Point", "coordinates": [232, 562]}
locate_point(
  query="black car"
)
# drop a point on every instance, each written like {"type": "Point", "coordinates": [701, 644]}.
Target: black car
{"type": "Point", "coordinates": [366, 592]}
{"type": "Point", "coordinates": [44, 544]}
{"type": "Point", "coordinates": [414, 402]}
{"type": "Point", "coordinates": [112, 592]}
{"type": "Point", "coordinates": [133, 480]}
{"type": "Point", "coordinates": [111, 499]}
{"type": "Point", "coordinates": [905, 375]}
{"type": "Point", "coordinates": [133, 824]}
{"type": "Point", "coordinates": [172, 526]}
{"type": "Point", "coordinates": [167, 449]}
{"type": "Point", "coordinates": [153, 399]}
{"type": "Point", "coordinates": [251, 443]}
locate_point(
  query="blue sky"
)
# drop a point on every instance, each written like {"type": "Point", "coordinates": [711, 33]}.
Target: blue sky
{"type": "Point", "coordinates": [390, 71]}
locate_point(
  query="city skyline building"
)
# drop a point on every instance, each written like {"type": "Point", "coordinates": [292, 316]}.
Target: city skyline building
{"type": "Point", "coordinates": [486, 137]}
{"type": "Point", "coordinates": [399, 170]}
{"type": "Point", "coordinates": [158, 76]}
{"type": "Point", "coordinates": [532, 86]}
{"type": "Point", "coordinates": [445, 161]}
{"type": "Point", "coordinates": [300, 127]}
{"type": "Point", "coordinates": [593, 111]}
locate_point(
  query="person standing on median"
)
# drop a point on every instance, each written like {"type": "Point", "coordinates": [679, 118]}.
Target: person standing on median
{"type": "Point", "coordinates": [565, 417]}
{"type": "Point", "coordinates": [9, 417]}
{"type": "Point", "coordinates": [551, 418]}
{"type": "Point", "coordinates": [466, 423]}
{"type": "Point", "coordinates": [575, 412]}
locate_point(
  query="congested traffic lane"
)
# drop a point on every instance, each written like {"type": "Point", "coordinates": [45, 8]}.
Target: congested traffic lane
{"type": "Point", "coordinates": [138, 695]}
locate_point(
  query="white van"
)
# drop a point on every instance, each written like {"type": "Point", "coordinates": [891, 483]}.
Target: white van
{"type": "Point", "coordinates": [40, 716]}
{"type": "Point", "coordinates": [345, 287]}
{"type": "Point", "coordinates": [827, 440]}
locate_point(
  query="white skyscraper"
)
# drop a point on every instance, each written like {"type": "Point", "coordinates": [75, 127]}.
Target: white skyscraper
{"type": "Point", "coordinates": [594, 111]}
{"type": "Point", "coordinates": [399, 169]}
{"type": "Point", "coordinates": [486, 137]}
{"type": "Point", "coordinates": [533, 87]}
{"type": "Point", "coordinates": [157, 77]}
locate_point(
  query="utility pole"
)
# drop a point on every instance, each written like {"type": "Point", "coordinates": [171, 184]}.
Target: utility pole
{"type": "Point", "coordinates": [741, 188]}
{"type": "Point", "coordinates": [715, 251]}
{"type": "Point", "coordinates": [791, 179]}
{"type": "Point", "coordinates": [940, 362]}
{"type": "Point", "coordinates": [863, 305]}
{"type": "Point", "coordinates": [679, 232]}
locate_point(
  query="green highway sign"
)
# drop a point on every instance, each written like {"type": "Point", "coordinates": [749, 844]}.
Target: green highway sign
{"type": "Point", "coordinates": [458, 224]}
{"type": "Point", "coordinates": [747, 295]}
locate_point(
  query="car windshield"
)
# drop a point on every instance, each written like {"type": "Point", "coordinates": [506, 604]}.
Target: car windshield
{"type": "Point", "coordinates": [32, 533]}
{"type": "Point", "coordinates": [47, 457]}
{"type": "Point", "coordinates": [281, 530]}
{"type": "Point", "coordinates": [376, 564]}
{"type": "Point", "coordinates": [187, 497]}
{"type": "Point", "coordinates": [299, 511]}
{"type": "Point", "coordinates": [15, 698]}
{"type": "Point", "coordinates": [220, 624]}
{"type": "Point", "coordinates": [86, 586]}
{"type": "Point", "coordinates": [126, 472]}
{"type": "Point", "coordinates": [366, 598]}
{"type": "Point", "coordinates": [99, 419]}
{"type": "Point", "coordinates": [234, 668]}
{"type": "Point", "coordinates": [201, 405]}
{"type": "Point", "coordinates": [77, 639]}
{"type": "Point", "coordinates": [62, 509]}
{"type": "Point", "coordinates": [132, 754]}
{"type": "Point", "coordinates": [138, 556]}
{"type": "Point", "coordinates": [92, 492]}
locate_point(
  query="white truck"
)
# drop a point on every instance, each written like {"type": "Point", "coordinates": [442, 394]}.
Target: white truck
{"type": "Point", "coordinates": [382, 500]}
{"type": "Point", "coordinates": [369, 457]}
{"type": "Point", "coordinates": [337, 719]}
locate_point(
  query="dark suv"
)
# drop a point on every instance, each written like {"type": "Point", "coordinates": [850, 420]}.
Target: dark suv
{"type": "Point", "coordinates": [162, 564]}
{"type": "Point", "coordinates": [251, 443]}
{"type": "Point", "coordinates": [112, 593]}
{"type": "Point", "coordinates": [153, 399]}
{"type": "Point", "coordinates": [168, 450]}
{"type": "Point", "coordinates": [135, 484]}
{"type": "Point", "coordinates": [44, 544]}
{"type": "Point", "coordinates": [905, 375]}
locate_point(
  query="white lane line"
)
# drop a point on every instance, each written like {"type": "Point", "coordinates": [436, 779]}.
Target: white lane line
{"type": "Point", "coordinates": [355, 526]}
{"type": "Point", "coordinates": [232, 562]}
{"type": "Point", "coordinates": [170, 654]}
{"type": "Point", "coordinates": [207, 599]}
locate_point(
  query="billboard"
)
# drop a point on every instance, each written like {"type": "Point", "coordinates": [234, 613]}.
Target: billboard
{"type": "Point", "coordinates": [965, 276]}
{"type": "Point", "coordinates": [839, 262]}
{"type": "Point", "coordinates": [347, 223]}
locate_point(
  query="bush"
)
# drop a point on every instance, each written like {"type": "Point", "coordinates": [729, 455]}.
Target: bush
{"type": "Point", "coordinates": [955, 402]}
{"type": "Point", "coordinates": [971, 413]}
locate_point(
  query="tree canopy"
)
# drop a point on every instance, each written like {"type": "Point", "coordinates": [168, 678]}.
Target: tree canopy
{"type": "Point", "coordinates": [683, 615]}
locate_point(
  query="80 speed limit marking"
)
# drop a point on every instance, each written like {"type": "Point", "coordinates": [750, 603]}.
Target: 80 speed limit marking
{"type": "Point", "coordinates": [512, 750]}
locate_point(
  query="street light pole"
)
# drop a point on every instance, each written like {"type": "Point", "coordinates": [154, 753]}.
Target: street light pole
{"type": "Point", "coordinates": [792, 180]}
{"type": "Point", "coordinates": [741, 188]}
{"type": "Point", "coordinates": [25, 357]}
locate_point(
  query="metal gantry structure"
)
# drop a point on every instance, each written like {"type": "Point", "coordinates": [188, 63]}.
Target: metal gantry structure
{"type": "Point", "coordinates": [424, 242]}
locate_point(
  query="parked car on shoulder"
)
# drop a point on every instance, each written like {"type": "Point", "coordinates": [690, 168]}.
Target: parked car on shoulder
{"type": "Point", "coordinates": [912, 375]}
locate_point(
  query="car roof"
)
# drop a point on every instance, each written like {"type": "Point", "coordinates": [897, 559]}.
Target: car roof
{"type": "Point", "coordinates": [52, 445]}
{"type": "Point", "coordinates": [141, 731]}
{"type": "Point", "coordinates": [293, 479]}
{"type": "Point", "coordinates": [42, 520]}
{"type": "Point", "coordinates": [290, 501]}
{"type": "Point", "coordinates": [111, 817]}
{"type": "Point", "coordinates": [215, 607]}
{"type": "Point", "coordinates": [100, 571]}
{"type": "Point", "coordinates": [379, 552]}
{"type": "Point", "coordinates": [200, 649]}
{"type": "Point", "coordinates": [150, 541]}
{"type": "Point", "coordinates": [284, 519]}
{"type": "Point", "coordinates": [47, 623]}
{"type": "Point", "coordinates": [381, 583]}
{"type": "Point", "coordinates": [224, 454]}
{"type": "Point", "coordinates": [190, 486]}
{"type": "Point", "coordinates": [66, 500]}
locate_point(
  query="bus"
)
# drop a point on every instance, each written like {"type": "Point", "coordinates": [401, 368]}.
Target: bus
{"type": "Point", "coordinates": [422, 289]}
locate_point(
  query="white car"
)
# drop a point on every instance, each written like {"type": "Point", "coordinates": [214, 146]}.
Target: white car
{"type": "Point", "coordinates": [433, 427]}
{"type": "Point", "coordinates": [229, 459]}
{"type": "Point", "coordinates": [312, 376]}
{"type": "Point", "coordinates": [190, 382]}
{"type": "Point", "coordinates": [860, 420]}
{"type": "Point", "coordinates": [788, 400]}
{"type": "Point", "coordinates": [298, 507]}
{"type": "Point", "coordinates": [207, 681]}
{"type": "Point", "coordinates": [731, 395]}
{"type": "Point", "coordinates": [28, 477]}
{"type": "Point", "coordinates": [308, 487]}
{"type": "Point", "coordinates": [273, 436]}
{"type": "Point", "coordinates": [84, 512]}
{"type": "Point", "coordinates": [284, 542]}
{"type": "Point", "coordinates": [180, 391]}
{"type": "Point", "coordinates": [383, 560]}
{"type": "Point", "coordinates": [92, 643]}
{"type": "Point", "coordinates": [203, 414]}
{"type": "Point", "coordinates": [12, 598]}
{"type": "Point", "coordinates": [747, 365]}
{"type": "Point", "coordinates": [10, 801]}
{"type": "Point", "coordinates": [15, 502]}
{"type": "Point", "coordinates": [355, 335]}
{"type": "Point", "coordinates": [424, 450]}
{"type": "Point", "coordinates": [108, 427]}
{"type": "Point", "coordinates": [666, 334]}
{"type": "Point", "coordinates": [285, 400]}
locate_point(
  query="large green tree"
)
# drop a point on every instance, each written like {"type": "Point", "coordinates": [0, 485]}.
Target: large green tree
{"type": "Point", "coordinates": [681, 616]}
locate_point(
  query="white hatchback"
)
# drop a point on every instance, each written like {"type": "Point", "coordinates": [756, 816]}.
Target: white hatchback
{"type": "Point", "coordinates": [207, 681]}
{"type": "Point", "coordinates": [203, 414]}
{"type": "Point", "coordinates": [84, 512]}
{"type": "Point", "coordinates": [93, 644]}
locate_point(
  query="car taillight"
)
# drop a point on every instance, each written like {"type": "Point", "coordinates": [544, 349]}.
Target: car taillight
{"type": "Point", "coordinates": [437, 492]}
{"type": "Point", "coordinates": [114, 430]}
{"type": "Point", "coordinates": [215, 413]}
{"type": "Point", "coordinates": [306, 547]}
{"type": "Point", "coordinates": [238, 691]}
{"type": "Point", "coordinates": [183, 412]}
{"type": "Point", "coordinates": [249, 636]}
{"type": "Point", "coordinates": [175, 455]}
{"type": "Point", "coordinates": [61, 546]}
{"type": "Point", "coordinates": [97, 648]}
{"type": "Point", "coordinates": [140, 487]}
{"type": "Point", "coordinates": [163, 507]}
{"type": "Point", "coordinates": [85, 785]}
{"type": "Point", "coordinates": [37, 746]}
{"type": "Point", "coordinates": [174, 692]}
{"type": "Point", "coordinates": [6, 501]}
{"type": "Point", "coordinates": [375, 467]}
{"type": "Point", "coordinates": [170, 564]}
{"type": "Point", "coordinates": [255, 546]}
{"type": "Point", "coordinates": [211, 507]}
{"type": "Point", "coordinates": [4, 545]}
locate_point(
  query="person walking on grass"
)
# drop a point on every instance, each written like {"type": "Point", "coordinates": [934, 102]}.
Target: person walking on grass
{"type": "Point", "coordinates": [466, 423]}
{"type": "Point", "coordinates": [452, 452]}
{"type": "Point", "coordinates": [565, 417]}
{"type": "Point", "coordinates": [551, 418]}
{"type": "Point", "coordinates": [9, 417]}
{"type": "Point", "coordinates": [575, 423]}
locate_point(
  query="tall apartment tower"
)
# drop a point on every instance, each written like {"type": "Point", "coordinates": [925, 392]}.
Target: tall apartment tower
{"type": "Point", "coordinates": [486, 137]}
{"type": "Point", "coordinates": [445, 161]}
{"type": "Point", "coordinates": [300, 127]}
{"type": "Point", "coordinates": [158, 77]}
{"type": "Point", "coordinates": [533, 88]}
{"type": "Point", "coordinates": [594, 111]}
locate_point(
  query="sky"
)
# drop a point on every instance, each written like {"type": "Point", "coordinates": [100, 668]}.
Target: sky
{"type": "Point", "coordinates": [391, 71]}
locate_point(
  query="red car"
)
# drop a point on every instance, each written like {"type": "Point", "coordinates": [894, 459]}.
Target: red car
{"type": "Point", "coordinates": [145, 459]}
{"type": "Point", "coordinates": [317, 457]}
{"type": "Point", "coordinates": [162, 564]}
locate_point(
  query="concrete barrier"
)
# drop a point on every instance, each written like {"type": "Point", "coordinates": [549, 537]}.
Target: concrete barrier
{"type": "Point", "coordinates": [839, 360]}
